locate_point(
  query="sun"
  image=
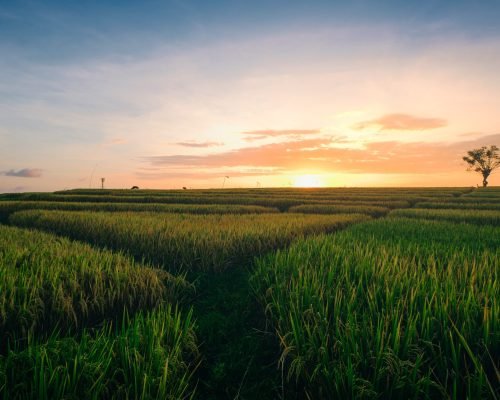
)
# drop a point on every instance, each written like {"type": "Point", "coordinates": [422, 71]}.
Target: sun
{"type": "Point", "coordinates": [308, 181]}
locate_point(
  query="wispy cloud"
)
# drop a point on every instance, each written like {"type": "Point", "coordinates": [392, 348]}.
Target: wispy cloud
{"type": "Point", "coordinates": [323, 154]}
{"type": "Point", "coordinates": [266, 133]}
{"type": "Point", "coordinates": [24, 173]}
{"type": "Point", "coordinates": [402, 122]}
{"type": "Point", "coordinates": [282, 154]}
{"type": "Point", "coordinates": [161, 174]}
{"type": "Point", "coordinates": [199, 144]}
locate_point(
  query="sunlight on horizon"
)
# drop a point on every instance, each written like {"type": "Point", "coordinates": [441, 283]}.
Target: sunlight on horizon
{"type": "Point", "coordinates": [308, 181]}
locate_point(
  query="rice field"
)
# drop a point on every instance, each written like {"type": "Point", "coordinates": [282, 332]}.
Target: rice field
{"type": "Point", "coordinates": [179, 242]}
{"type": "Point", "coordinates": [149, 356]}
{"type": "Point", "coordinates": [374, 211]}
{"type": "Point", "coordinates": [399, 316]}
{"type": "Point", "coordinates": [281, 199]}
{"type": "Point", "coordinates": [50, 283]}
{"type": "Point", "coordinates": [459, 206]}
{"type": "Point", "coordinates": [473, 216]}
{"type": "Point", "coordinates": [9, 207]}
{"type": "Point", "coordinates": [250, 293]}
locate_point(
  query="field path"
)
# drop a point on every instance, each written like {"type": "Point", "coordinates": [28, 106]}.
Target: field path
{"type": "Point", "coordinates": [239, 354]}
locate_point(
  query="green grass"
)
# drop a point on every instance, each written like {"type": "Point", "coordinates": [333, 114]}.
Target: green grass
{"type": "Point", "coordinates": [488, 192]}
{"type": "Point", "coordinates": [282, 199]}
{"type": "Point", "coordinates": [480, 217]}
{"type": "Point", "coordinates": [9, 207]}
{"type": "Point", "coordinates": [150, 356]}
{"type": "Point", "coordinates": [48, 282]}
{"type": "Point", "coordinates": [374, 211]}
{"type": "Point", "coordinates": [276, 191]}
{"type": "Point", "coordinates": [459, 206]}
{"type": "Point", "coordinates": [394, 308]}
{"type": "Point", "coordinates": [400, 307]}
{"type": "Point", "coordinates": [181, 242]}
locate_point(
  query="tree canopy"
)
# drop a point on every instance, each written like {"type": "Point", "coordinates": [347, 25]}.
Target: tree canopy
{"type": "Point", "coordinates": [483, 160]}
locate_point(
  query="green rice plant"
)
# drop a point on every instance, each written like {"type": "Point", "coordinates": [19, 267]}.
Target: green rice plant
{"type": "Point", "coordinates": [480, 217]}
{"type": "Point", "coordinates": [8, 207]}
{"type": "Point", "coordinates": [200, 205]}
{"type": "Point", "coordinates": [150, 356]}
{"type": "Point", "coordinates": [339, 209]}
{"type": "Point", "coordinates": [492, 192]}
{"type": "Point", "coordinates": [464, 200]}
{"type": "Point", "coordinates": [391, 309]}
{"type": "Point", "coordinates": [295, 192]}
{"type": "Point", "coordinates": [279, 198]}
{"type": "Point", "coordinates": [48, 282]}
{"type": "Point", "coordinates": [185, 242]}
{"type": "Point", "coordinates": [373, 203]}
{"type": "Point", "coordinates": [281, 204]}
{"type": "Point", "coordinates": [459, 206]}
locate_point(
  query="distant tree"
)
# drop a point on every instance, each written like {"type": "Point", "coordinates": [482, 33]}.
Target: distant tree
{"type": "Point", "coordinates": [134, 187]}
{"type": "Point", "coordinates": [484, 160]}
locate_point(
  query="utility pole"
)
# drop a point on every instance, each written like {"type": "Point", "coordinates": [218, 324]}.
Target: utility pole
{"type": "Point", "coordinates": [102, 183]}
{"type": "Point", "coordinates": [224, 181]}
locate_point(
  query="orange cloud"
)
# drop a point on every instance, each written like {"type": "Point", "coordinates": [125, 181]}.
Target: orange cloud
{"type": "Point", "coordinates": [199, 144]}
{"type": "Point", "coordinates": [402, 122]}
{"type": "Point", "coordinates": [319, 154]}
{"type": "Point", "coordinates": [266, 133]}
{"type": "Point", "coordinates": [270, 155]}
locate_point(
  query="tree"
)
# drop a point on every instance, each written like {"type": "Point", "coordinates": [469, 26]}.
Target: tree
{"type": "Point", "coordinates": [484, 160]}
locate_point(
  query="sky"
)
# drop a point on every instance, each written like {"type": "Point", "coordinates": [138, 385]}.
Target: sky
{"type": "Point", "coordinates": [200, 94]}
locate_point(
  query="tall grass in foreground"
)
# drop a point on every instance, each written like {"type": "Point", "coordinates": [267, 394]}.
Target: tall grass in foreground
{"type": "Point", "coordinates": [391, 309]}
{"type": "Point", "coordinates": [479, 217]}
{"type": "Point", "coordinates": [150, 356]}
{"type": "Point", "coordinates": [185, 242]}
{"type": "Point", "coordinates": [48, 282]}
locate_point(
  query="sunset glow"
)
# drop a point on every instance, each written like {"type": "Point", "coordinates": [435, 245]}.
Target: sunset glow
{"type": "Point", "coordinates": [308, 181]}
{"type": "Point", "coordinates": [180, 94]}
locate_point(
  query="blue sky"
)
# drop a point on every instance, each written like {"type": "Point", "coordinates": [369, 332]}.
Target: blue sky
{"type": "Point", "coordinates": [120, 86]}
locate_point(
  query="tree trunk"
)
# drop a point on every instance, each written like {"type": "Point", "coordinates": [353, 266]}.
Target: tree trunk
{"type": "Point", "coordinates": [485, 179]}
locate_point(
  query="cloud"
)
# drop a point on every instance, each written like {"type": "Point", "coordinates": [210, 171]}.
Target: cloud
{"type": "Point", "coordinates": [321, 154]}
{"type": "Point", "coordinates": [402, 122]}
{"type": "Point", "coordinates": [199, 144]}
{"type": "Point", "coordinates": [24, 173]}
{"type": "Point", "coordinates": [266, 133]}
{"type": "Point", "coordinates": [282, 154]}
{"type": "Point", "coordinates": [161, 174]}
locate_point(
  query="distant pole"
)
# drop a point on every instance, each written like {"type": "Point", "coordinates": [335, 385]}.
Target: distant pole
{"type": "Point", "coordinates": [102, 183]}
{"type": "Point", "coordinates": [224, 181]}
